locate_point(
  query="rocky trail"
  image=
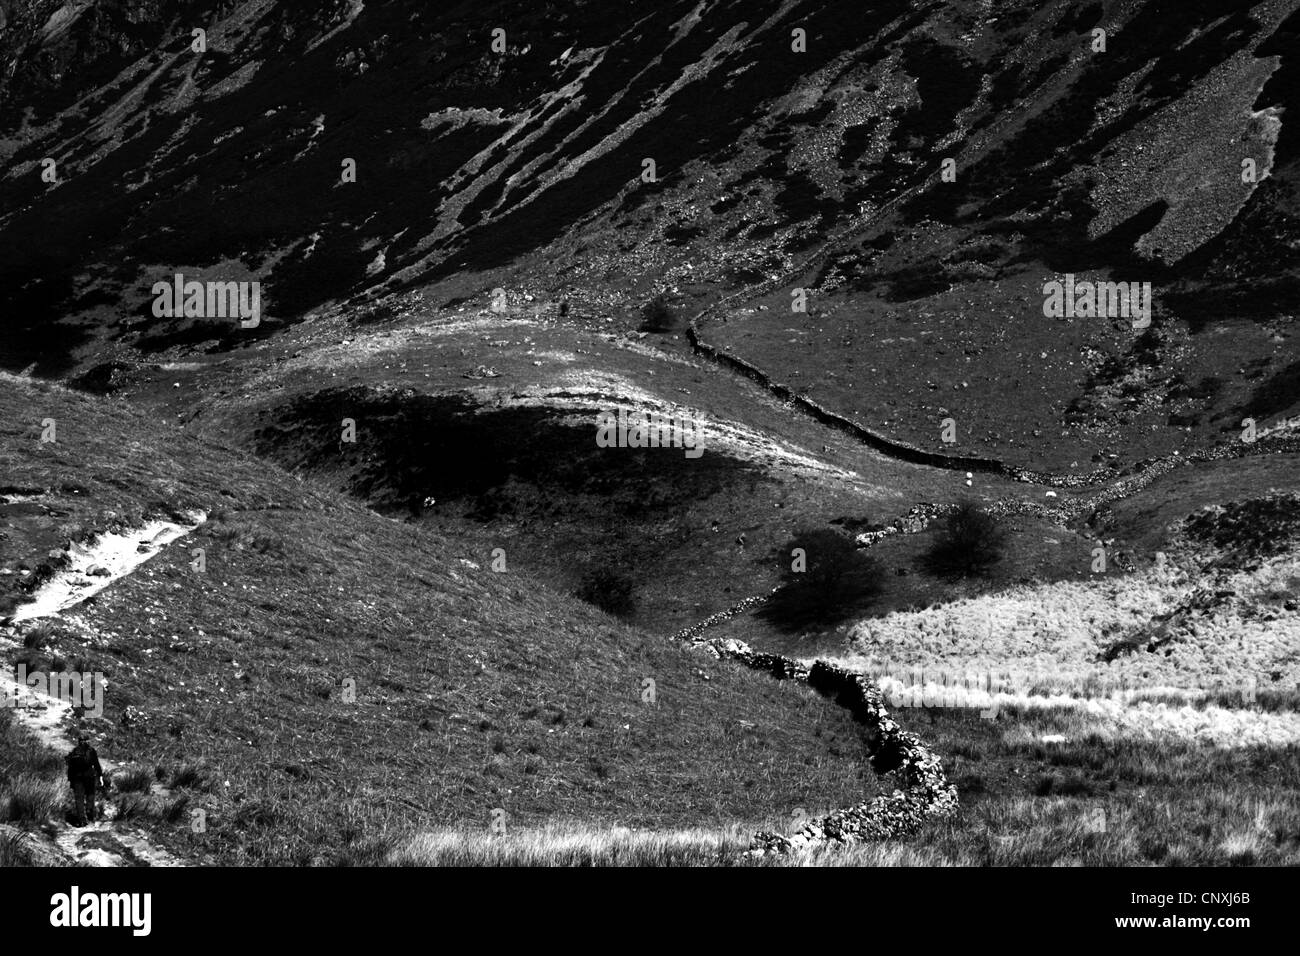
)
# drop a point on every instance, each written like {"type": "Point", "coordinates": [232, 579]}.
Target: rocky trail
{"type": "Point", "coordinates": [90, 567]}
{"type": "Point", "coordinates": [93, 566]}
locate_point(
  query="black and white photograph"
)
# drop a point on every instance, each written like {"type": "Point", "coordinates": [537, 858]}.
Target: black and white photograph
{"type": "Point", "coordinates": [761, 435]}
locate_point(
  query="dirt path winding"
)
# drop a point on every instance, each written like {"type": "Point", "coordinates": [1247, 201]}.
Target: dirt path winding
{"type": "Point", "coordinates": [91, 567]}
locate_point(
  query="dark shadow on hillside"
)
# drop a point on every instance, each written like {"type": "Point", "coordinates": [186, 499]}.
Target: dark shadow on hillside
{"type": "Point", "coordinates": [514, 464]}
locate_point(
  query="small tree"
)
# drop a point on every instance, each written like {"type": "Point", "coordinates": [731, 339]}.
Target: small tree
{"type": "Point", "coordinates": [970, 542]}
{"type": "Point", "coordinates": [658, 315]}
{"type": "Point", "coordinates": [824, 579]}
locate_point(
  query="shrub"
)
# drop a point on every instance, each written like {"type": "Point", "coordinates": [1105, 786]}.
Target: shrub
{"type": "Point", "coordinates": [610, 590]}
{"type": "Point", "coordinates": [658, 315]}
{"type": "Point", "coordinates": [139, 806]}
{"type": "Point", "coordinates": [970, 542]}
{"type": "Point", "coordinates": [836, 579]}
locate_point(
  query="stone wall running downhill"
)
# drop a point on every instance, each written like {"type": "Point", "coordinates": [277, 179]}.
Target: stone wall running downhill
{"type": "Point", "coordinates": [1144, 474]}
{"type": "Point", "coordinates": [924, 793]}
{"type": "Point", "coordinates": [691, 634]}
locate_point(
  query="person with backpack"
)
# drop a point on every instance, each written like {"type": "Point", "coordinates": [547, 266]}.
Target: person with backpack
{"type": "Point", "coordinates": [84, 774]}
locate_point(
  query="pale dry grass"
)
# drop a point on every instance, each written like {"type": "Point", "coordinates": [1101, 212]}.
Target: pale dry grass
{"type": "Point", "coordinates": [1143, 715]}
{"type": "Point", "coordinates": [582, 846]}
{"type": "Point", "coordinates": [1208, 824]}
{"type": "Point", "coordinates": [1045, 643]}
{"type": "Point", "coordinates": [576, 846]}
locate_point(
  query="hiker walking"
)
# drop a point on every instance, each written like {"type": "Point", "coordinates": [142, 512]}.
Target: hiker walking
{"type": "Point", "coordinates": [84, 774]}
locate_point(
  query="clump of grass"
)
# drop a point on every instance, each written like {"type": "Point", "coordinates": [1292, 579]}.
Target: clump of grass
{"type": "Point", "coordinates": [29, 798]}
{"type": "Point", "coordinates": [133, 806]}
{"type": "Point", "coordinates": [142, 806]}
{"type": "Point", "coordinates": [190, 776]}
{"type": "Point", "coordinates": [41, 636]}
{"type": "Point", "coordinates": [1242, 849]}
{"type": "Point", "coordinates": [14, 851]}
{"type": "Point", "coordinates": [133, 779]}
{"type": "Point", "coordinates": [20, 752]}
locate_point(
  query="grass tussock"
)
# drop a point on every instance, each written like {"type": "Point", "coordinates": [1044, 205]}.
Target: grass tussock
{"type": "Point", "coordinates": [189, 776]}
{"type": "Point", "coordinates": [28, 798]}
{"type": "Point", "coordinates": [32, 789]}
{"type": "Point", "coordinates": [14, 850]}
{"type": "Point", "coordinates": [135, 779]}
{"type": "Point", "coordinates": [152, 807]}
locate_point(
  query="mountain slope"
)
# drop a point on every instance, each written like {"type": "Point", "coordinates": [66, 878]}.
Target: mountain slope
{"type": "Point", "coordinates": [523, 169]}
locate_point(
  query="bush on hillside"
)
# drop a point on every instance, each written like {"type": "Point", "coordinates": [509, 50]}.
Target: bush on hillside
{"type": "Point", "coordinates": [834, 580]}
{"type": "Point", "coordinates": [970, 543]}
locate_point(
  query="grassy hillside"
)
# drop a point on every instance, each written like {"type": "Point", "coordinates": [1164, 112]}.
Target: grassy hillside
{"type": "Point", "coordinates": [473, 690]}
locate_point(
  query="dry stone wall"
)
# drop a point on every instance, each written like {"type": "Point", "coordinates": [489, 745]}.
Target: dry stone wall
{"type": "Point", "coordinates": [924, 792]}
